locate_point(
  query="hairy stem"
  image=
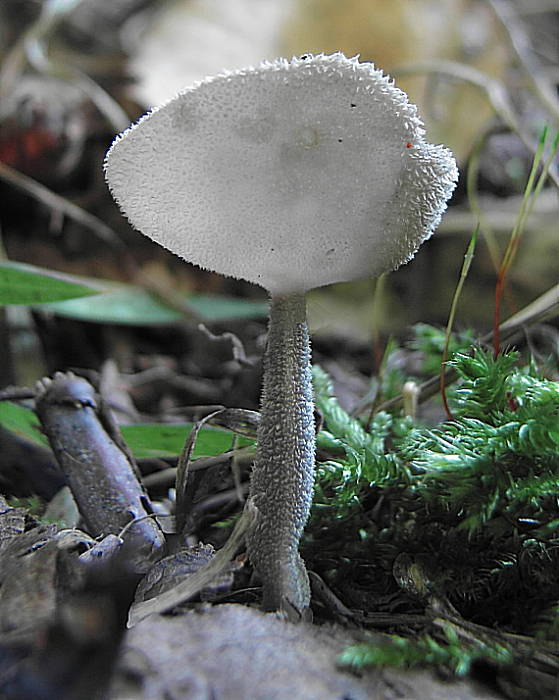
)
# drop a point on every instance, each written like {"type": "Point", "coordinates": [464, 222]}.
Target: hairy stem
{"type": "Point", "coordinates": [283, 473]}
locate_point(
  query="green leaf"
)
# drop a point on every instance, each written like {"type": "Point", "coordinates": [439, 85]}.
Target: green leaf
{"type": "Point", "coordinates": [168, 440]}
{"type": "Point", "coordinates": [27, 284]}
{"type": "Point", "coordinates": [21, 421]}
{"type": "Point", "coordinates": [134, 306]}
{"type": "Point", "coordinates": [221, 308]}
{"type": "Point", "coordinates": [149, 440]}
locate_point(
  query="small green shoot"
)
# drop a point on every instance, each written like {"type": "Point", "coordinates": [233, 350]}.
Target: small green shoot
{"type": "Point", "coordinates": [531, 194]}
{"type": "Point", "coordinates": [472, 175]}
{"type": "Point", "coordinates": [458, 291]}
{"type": "Point", "coordinates": [379, 298]}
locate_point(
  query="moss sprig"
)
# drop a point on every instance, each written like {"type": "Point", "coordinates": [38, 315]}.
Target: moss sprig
{"type": "Point", "coordinates": [453, 652]}
{"type": "Point", "coordinates": [366, 461]}
{"type": "Point", "coordinates": [501, 455]}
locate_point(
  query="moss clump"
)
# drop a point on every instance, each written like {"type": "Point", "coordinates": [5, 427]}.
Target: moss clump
{"type": "Point", "coordinates": [471, 506]}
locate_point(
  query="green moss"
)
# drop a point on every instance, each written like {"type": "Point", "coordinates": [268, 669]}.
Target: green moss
{"type": "Point", "coordinates": [364, 460]}
{"type": "Point", "coordinates": [451, 652]}
{"type": "Point", "coordinates": [471, 504]}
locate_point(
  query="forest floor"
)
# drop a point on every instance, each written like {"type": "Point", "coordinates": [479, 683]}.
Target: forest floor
{"type": "Point", "coordinates": [428, 580]}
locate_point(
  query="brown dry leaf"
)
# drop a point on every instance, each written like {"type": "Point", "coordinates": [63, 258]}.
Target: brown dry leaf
{"type": "Point", "coordinates": [28, 579]}
{"type": "Point", "coordinates": [206, 575]}
{"type": "Point", "coordinates": [170, 571]}
{"type": "Point", "coordinates": [235, 652]}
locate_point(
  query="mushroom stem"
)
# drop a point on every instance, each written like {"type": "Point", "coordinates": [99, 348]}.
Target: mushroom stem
{"type": "Point", "coordinates": [283, 472]}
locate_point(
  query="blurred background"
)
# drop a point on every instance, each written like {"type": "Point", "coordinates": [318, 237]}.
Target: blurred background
{"type": "Point", "coordinates": [73, 73]}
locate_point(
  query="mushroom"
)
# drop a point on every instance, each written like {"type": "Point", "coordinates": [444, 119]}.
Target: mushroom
{"type": "Point", "coordinates": [291, 175]}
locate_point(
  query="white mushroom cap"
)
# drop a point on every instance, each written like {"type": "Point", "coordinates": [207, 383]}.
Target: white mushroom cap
{"type": "Point", "coordinates": [291, 175]}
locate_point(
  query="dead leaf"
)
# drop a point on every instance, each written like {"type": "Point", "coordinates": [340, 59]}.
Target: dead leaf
{"type": "Point", "coordinates": [236, 652]}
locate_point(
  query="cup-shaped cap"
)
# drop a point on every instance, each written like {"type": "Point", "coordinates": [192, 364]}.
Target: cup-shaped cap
{"type": "Point", "coordinates": [292, 175]}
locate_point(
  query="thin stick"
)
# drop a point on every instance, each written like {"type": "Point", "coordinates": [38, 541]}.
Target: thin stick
{"type": "Point", "coordinates": [520, 44]}
{"type": "Point", "coordinates": [60, 204]}
{"type": "Point", "coordinates": [472, 175]}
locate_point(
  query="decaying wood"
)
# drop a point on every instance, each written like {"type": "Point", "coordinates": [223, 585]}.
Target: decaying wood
{"type": "Point", "coordinates": [98, 466]}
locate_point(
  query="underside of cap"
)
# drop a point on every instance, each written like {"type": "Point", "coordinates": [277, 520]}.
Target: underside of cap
{"type": "Point", "coordinates": [292, 175]}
